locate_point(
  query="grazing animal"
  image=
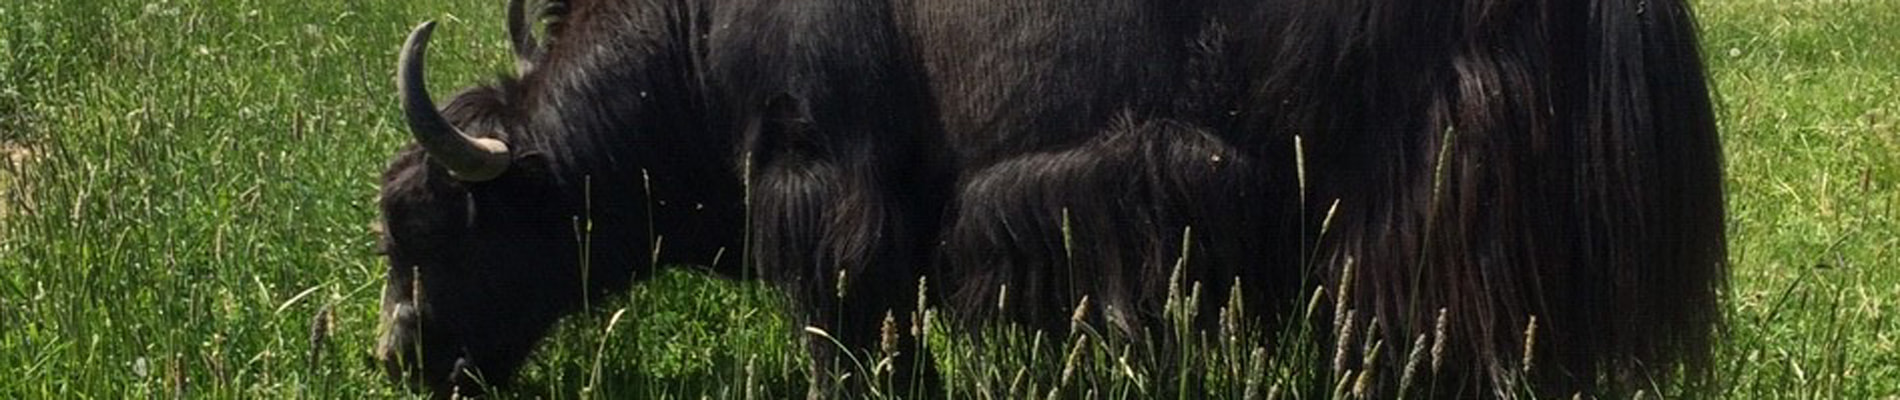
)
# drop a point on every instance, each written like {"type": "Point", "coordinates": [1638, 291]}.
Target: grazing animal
{"type": "Point", "coordinates": [628, 139]}
{"type": "Point", "coordinates": [837, 140]}
{"type": "Point", "coordinates": [1535, 183]}
{"type": "Point", "coordinates": [1503, 161]}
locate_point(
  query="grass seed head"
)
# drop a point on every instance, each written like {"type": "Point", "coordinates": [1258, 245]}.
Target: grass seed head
{"type": "Point", "coordinates": [923, 301]}
{"type": "Point", "coordinates": [1002, 298]}
{"type": "Point", "coordinates": [1345, 381]}
{"type": "Point", "coordinates": [1438, 341]}
{"type": "Point", "coordinates": [1312, 304]}
{"type": "Point", "coordinates": [1343, 342]}
{"type": "Point", "coordinates": [1231, 314]}
{"type": "Point", "coordinates": [888, 335]}
{"type": "Point", "coordinates": [1345, 289]}
{"type": "Point", "coordinates": [843, 283]}
{"type": "Point", "coordinates": [1530, 344]}
{"type": "Point", "coordinates": [1080, 315]}
{"type": "Point", "coordinates": [1193, 303]}
{"type": "Point", "coordinates": [320, 326]}
{"type": "Point", "coordinates": [1413, 359]}
{"type": "Point", "coordinates": [1074, 359]}
{"type": "Point", "coordinates": [1362, 385]}
{"type": "Point", "coordinates": [1256, 370]}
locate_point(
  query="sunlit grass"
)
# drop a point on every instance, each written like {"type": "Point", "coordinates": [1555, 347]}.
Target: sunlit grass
{"type": "Point", "coordinates": [187, 183]}
{"type": "Point", "coordinates": [1810, 95]}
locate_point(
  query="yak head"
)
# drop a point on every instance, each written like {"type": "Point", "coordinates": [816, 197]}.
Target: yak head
{"type": "Point", "coordinates": [480, 237]}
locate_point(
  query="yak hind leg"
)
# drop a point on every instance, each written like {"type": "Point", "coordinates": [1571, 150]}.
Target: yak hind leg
{"type": "Point", "coordinates": [1110, 218]}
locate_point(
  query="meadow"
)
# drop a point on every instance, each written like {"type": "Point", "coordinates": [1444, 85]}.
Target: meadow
{"type": "Point", "coordinates": [188, 189]}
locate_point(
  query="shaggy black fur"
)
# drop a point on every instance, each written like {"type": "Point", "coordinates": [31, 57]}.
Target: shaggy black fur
{"type": "Point", "coordinates": [634, 129]}
{"type": "Point", "coordinates": [844, 194]}
{"type": "Point", "coordinates": [1504, 159]}
{"type": "Point", "coordinates": [1088, 137]}
{"type": "Point", "coordinates": [1103, 219]}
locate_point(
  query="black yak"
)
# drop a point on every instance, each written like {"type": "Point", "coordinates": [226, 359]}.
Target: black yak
{"type": "Point", "coordinates": [1497, 160]}
{"type": "Point", "coordinates": [1535, 176]}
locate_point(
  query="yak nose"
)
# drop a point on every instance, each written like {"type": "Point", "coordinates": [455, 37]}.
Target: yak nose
{"type": "Point", "coordinates": [422, 362]}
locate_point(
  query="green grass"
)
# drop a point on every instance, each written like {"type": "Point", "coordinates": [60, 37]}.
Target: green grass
{"type": "Point", "coordinates": [188, 183]}
{"type": "Point", "coordinates": [1810, 96]}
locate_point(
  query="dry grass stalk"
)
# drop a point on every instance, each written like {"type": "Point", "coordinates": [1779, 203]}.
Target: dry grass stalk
{"type": "Point", "coordinates": [1343, 302]}
{"type": "Point", "coordinates": [887, 345]}
{"type": "Point", "coordinates": [1017, 382]}
{"type": "Point", "coordinates": [1256, 370]}
{"type": "Point", "coordinates": [843, 283]}
{"type": "Point", "coordinates": [1231, 314]}
{"type": "Point", "coordinates": [1412, 360]}
{"type": "Point", "coordinates": [1312, 304]}
{"type": "Point", "coordinates": [1080, 315]}
{"type": "Point", "coordinates": [1129, 371]}
{"type": "Point", "coordinates": [918, 315]}
{"type": "Point", "coordinates": [1343, 341]}
{"type": "Point", "coordinates": [751, 376]}
{"type": "Point", "coordinates": [1339, 387]}
{"type": "Point", "coordinates": [1362, 387]}
{"type": "Point", "coordinates": [1002, 299]}
{"type": "Point", "coordinates": [1530, 344]}
{"type": "Point", "coordinates": [1438, 341]}
{"type": "Point", "coordinates": [320, 328]}
{"type": "Point", "coordinates": [1074, 360]}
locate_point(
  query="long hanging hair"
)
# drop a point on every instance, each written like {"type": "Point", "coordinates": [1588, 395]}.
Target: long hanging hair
{"type": "Point", "coordinates": [1543, 174]}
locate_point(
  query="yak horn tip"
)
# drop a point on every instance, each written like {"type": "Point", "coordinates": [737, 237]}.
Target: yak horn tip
{"type": "Point", "coordinates": [495, 156]}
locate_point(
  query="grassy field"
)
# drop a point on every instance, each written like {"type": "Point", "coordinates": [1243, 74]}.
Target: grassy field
{"type": "Point", "coordinates": [189, 184]}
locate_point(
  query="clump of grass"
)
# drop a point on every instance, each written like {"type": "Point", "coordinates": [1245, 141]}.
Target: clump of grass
{"type": "Point", "coordinates": [1179, 358]}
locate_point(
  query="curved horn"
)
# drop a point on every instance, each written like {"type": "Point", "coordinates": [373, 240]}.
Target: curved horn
{"type": "Point", "coordinates": [467, 158]}
{"type": "Point", "coordinates": [522, 36]}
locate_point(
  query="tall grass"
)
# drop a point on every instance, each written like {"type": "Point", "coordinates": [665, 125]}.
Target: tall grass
{"type": "Point", "coordinates": [205, 185]}
{"type": "Point", "coordinates": [1810, 96]}
{"type": "Point", "coordinates": [202, 186]}
{"type": "Point", "coordinates": [188, 188]}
